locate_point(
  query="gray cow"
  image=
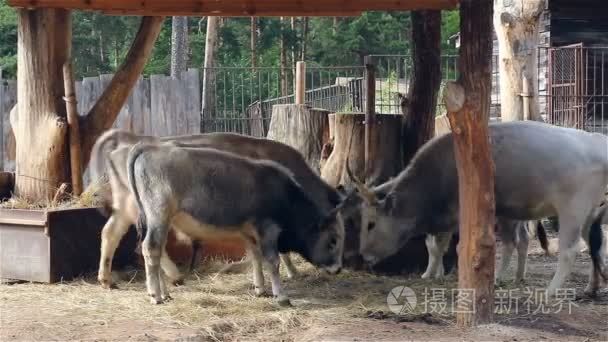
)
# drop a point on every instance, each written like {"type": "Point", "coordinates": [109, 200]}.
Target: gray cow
{"type": "Point", "coordinates": [210, 193]}
{"type": "Point", "coordinates": [541, 171]}
{"type": "Point", "coordinates": [124, 209]}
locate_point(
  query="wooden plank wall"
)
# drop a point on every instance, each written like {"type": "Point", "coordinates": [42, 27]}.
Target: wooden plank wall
{"type": "Point", "coordinates": [158, 105]}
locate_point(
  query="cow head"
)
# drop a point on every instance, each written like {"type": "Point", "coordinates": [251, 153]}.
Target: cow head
{"type": "Point", "coordinates": [328, 247]}
{"type": "Point", "coordinates": [383, 229]}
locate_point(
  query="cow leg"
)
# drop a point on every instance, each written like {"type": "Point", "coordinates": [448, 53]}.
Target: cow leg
{"type": "Point", "coordinates": [431, 247]}
{"type": "Point", "coordinates": [152, 249]}
{"type": "Point", "coordinates": [508, 237]}
{"type": "Point", "coordinates": [292, 272]}
{"type": "Point", "coordinates": [170, 269]}
{"type": "Point", "coordinates": [522, 244]}
{"type": "Point", "coordinates": [113, 231]}
{"type": "Point", "coordinates": [436, 246]}
{"type": "Point", "coordinates": [258, 275]}
{"type": "Point", "coordinates": [569, 234]}
{"type": "Point", "coordinates": [271, 256]}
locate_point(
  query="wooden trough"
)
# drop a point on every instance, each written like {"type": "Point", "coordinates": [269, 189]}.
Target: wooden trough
{"type": "Point", "coordinates": [53, 245]}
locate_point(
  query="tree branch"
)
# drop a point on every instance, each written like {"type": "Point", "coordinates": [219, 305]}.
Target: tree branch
{"type": "Point", "coordinates": [106, 109]}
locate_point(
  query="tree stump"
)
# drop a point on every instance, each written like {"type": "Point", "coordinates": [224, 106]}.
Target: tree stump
{"type": "Point", "coordinates": [301, 127]}
{"type": "Point", "coordinates": [328, 147]}
{"type": "Point", "coordinates": [349, 143]}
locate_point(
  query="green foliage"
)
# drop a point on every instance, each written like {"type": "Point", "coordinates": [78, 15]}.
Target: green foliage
{"type": "Point", "coordinates": [8, 40]}
{"type": "Point", "coordinates": [450, 25]}
{"type": "Point", "coordinates": [101, 42]}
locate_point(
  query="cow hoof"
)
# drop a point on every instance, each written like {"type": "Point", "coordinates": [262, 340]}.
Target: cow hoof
{"type": "Point", "coordinates": [260, 292]}
{"type": "Point", "coordinates": [590, 292]}
{"type": "Point", "coordinates": [426, 275]}
{"type": "Point", "coordinates": [178, 282]}
{"type": "Point", "coordinates": [283, 301]}
{"type": "Point", "coordinates": [156, 301]}
{"type": "Point", "coordinates": [108, 285]}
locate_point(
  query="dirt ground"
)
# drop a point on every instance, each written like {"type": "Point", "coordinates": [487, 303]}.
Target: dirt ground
{"type": "Point", "coordinates": [351, 306]}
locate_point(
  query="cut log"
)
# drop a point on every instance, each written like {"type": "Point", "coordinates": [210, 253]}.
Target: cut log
{"type": "Point", "coordinates": [328, 147]}
{"type": "Point", "coordinates": [349, 143]}
{"type": "Point", "coordinates": [442, 125]}
{"type": "Point", "coordinates": [385, 162]}
{"type": "Point", "coordinates": [7, 184]}
{"type": "Point", "coordinates": [301, 127]}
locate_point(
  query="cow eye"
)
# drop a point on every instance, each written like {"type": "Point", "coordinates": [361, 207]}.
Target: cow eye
{"type": "Point", "coordinates": [333, 242]}
{"type": "Point", "coordinates": [370, 226]}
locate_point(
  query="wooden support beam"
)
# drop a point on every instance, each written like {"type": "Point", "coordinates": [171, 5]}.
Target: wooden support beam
{"type": "Point", "coordinates": [73, 129]}
{"type": "Point", "coordinates": [370, 109]}
{"type": "Point", "coordinates": [468, 105]}
{"type": "Point", "coordinates": [238, 7]}
{"type": "Point", "coordinates": [300, 82]}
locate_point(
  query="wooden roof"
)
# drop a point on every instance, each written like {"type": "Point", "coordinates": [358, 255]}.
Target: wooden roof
{"type": "Point", "coordinates": [230, 8]}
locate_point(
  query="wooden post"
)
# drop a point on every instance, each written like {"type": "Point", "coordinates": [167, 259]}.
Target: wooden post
{"type": "Point", "coordinates": [2, 148]}
{"type": "Point", "coordinates": [468, 105]}
{"type": "Point", "coordinates": [370, 108]}
{"type": "Point", "coordinates": [525, 94]}
{"type": "Point", "coordinates": [300, 82]}
{"type": "Point", "coordinates": [73, 129]}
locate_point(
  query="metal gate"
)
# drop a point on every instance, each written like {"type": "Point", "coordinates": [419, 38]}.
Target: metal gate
{"type": "Point", "coordinates": [566, 86]}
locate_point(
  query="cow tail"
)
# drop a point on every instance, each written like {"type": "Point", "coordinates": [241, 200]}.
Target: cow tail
{"type": "Point", "coordinates": [108, 140]}
{"type": "Point", "coordinates": [134, 153]}
{"type": "Point", "coordinates": [595, 244]}
{"type": "Point", "coordinates": [541, 234]}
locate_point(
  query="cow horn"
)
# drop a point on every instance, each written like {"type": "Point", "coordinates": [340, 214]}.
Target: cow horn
{"type": "Point", "coordinates": [367, 194]}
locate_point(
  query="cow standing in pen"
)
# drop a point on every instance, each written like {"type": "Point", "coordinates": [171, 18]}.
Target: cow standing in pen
{"type": "Point", "coordinates": [541, 171]}
{"type": "Point", "coordinates": [124, 209]}
{"type": "Point", "coordinates": [210, 193]}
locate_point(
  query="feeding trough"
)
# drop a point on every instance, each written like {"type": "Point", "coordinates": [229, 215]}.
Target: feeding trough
{"type": "Point", "coordinates": [51, 245]}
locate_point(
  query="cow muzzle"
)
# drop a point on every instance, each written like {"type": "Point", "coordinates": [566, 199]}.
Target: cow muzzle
{"type": "Point", "coordinates": [334, 269]}
{"type": "Point", "coordinates": [370, 260]}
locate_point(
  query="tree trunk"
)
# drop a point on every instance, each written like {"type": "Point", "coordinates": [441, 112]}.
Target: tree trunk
{"type": "Point", "coordinates": [179, 46]}
{"type": "Point", "coordinates": [349, 143]}
{"type": "Point", "coordinates": [101, 117]}
{"type": "Point", "coordinates": [283, 60]}
{"type": "Point", "coordinates": [301, 127]}
{"type": "Point", "coordinates": [211, 45]}
{"type": "Point", "coordinates": [304, 37]}
{"type": "Point", "coordinates": [418, 126]}
{"type": "Point", "coordinates": [254, 40]}
{"type": "Point", "coordinates": [44, 41]}
{"type": "Point", "coordinates": [468, 104]}
{"type": "Point", "coordinates": [294, 52]}
{"type": "Point", "coordinates": [516, 24]}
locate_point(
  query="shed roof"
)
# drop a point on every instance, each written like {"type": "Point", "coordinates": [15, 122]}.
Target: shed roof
{"type": "Point", "coordinates": [238, 7]}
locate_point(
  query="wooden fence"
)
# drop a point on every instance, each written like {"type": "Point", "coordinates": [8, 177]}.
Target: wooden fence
{"type": "Point", "coordinates": [159, 105]}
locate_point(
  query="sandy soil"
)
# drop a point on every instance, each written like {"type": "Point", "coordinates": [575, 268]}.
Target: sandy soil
{"type": "Point", "coordinates": [349, 307]}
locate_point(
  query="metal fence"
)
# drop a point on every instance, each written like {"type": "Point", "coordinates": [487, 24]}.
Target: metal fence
{"type": "Point", "coordinates": [394, 74]}
{"type": "Point", "coordinates": [577, 87]}
{"type": "Point", "coordinates": [243, 97]}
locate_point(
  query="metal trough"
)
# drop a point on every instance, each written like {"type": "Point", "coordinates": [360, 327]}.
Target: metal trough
{"type": "Point", "coordinates": [53, 245]}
